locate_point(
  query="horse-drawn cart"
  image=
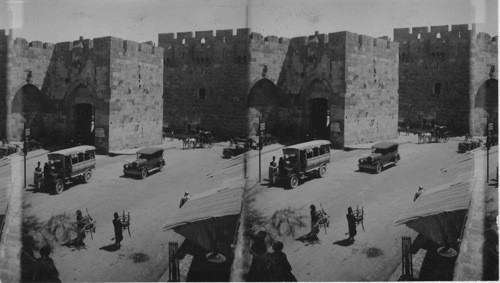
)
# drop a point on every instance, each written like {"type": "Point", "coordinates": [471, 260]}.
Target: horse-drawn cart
{"type": "Point", "coordinates": [438, 134]}
{"type": "Point", "coordinates": [203, 139]}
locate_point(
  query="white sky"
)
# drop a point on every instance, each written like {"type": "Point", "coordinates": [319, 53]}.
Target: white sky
{"type": "Point", "coordinates": [142, 20]}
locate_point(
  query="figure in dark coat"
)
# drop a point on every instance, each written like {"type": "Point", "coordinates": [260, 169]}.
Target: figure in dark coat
{"type": "Point", "coordinates": [117, 224]}
{"type": "Point", "coordinates": [259, 252]}
{"type": "Point", "coordinates": [351, 222]}
{"type": "Point", "coordinates": [314, 221]}
{"type": "Point", "coordinates": [46, 270]}
{"type": "Point", "coordinates": [46, 171]}
{"type": "Point", "coordinates": [279, 267]}
{"type": "Point", "coordinates": [281, 165]}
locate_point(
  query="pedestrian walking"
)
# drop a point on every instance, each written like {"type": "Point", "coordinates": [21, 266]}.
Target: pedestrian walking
{"type": "Point", "coordinates": [184, 199]}
{"type": "Point", "coordinates": [117, 224]}
{"type": "Point", "coordinates": [46, 270]}
{"type": "Point", "coordinates": [351, 222]}
{"type": "Point", "coordinates": [407, 129]}
{"type": "Point", "coordinates": [279, 267]}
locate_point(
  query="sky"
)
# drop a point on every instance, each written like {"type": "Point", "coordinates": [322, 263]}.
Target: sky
{"type": "Point", "coordinates": [142, 20]}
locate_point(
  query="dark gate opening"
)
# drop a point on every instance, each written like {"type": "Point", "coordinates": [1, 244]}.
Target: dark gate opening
{"type": "Point", "coordinates": [319, 118]}
{"type": "Point", "coordinates": [84, 124]}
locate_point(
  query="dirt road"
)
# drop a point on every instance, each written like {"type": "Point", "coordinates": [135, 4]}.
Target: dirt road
{"type": "Point", "coordinates": [376, 251]}
{"type": "Point", "coordinates": [143, 256]}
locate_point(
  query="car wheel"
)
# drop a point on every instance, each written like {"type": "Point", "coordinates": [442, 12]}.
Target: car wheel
{"type": "Point", "coordinates": [210, 144]}
{"type": "Point", "coordinates": [446, 138]}
{"type": "Point", "coordinates": [59, 187]}
{"type": "Point", "coordinates": [294, 181]}
{"type": "Point", "coordinates": [379, 168]}
{"type": "Point", "coordinates": [322, 170]}
{"type": "Point", "coordinates": [144, 173]}
{"type": "Point", "coordinates": [87, 176]}
{"type": "Point", "coordinates": [428, 139]}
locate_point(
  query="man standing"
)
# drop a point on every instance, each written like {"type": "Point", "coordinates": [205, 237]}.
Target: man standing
{"type": "Point", "coordinates": [46, 171]}
{"type": "Point", "coordinates": [272, 168]}
{"type": "Point", "coordinates": [117, 224]}
{"type": "Point", "coordinates": [281, 165]}
{"type": "Point", "coordinates": [314, 221]}
{"type": "Point", "coordinates": [38, 173]}
{"type": "Point", "coordinates": [46, 270]}
{"type": "Point", "coordinates": [351, 222]}
{"type": "Point", "coordinates": [80, 224]}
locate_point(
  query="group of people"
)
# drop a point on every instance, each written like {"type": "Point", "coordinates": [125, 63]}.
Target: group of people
{"type": "Point", "coordinates": [268, 266]}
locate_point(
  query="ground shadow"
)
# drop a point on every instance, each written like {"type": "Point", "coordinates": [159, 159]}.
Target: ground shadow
{"type": "Point", "coordinates": [344, 242]}
{"type": "Point", "coordinates": [75, 244]}
{"type": "Point", "coordinates": [309, 239]}
{"type": "Point", "coordinates": [110, 248]}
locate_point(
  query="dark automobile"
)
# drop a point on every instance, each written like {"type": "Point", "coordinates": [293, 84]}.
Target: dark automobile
{"type": "Point", "coordinates": [68, 165]}
{"type": "Point", "coordinates": [383, 154]}
{"type": "Point", "coordinates": [9, 149]}
{"type": "Point", "coordinates": [148, 159]}
{"type": "Point", "coordinates": [233, 151]}
{"type": "Point", "coordinates": [469, 144]}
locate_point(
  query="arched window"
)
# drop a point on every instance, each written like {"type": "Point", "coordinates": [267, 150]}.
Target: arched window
{"type": "Point", "coordinates": [438, 35]}
{"type": "Point", "coordinates": [437, 88]}
{"type": "Point", "coordinates": [202, 94]}
{"type": "Point", "coordinates": [183, 41]}
{"type": "Point", "coordinates": [203, 41]}
{"type": "Point", "coordinates": [419, 36]}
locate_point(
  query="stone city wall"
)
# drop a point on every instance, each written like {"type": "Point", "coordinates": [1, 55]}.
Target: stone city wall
{"type": "Point", "coordinates": [136, 104]}
{"type": "Point", "coordinates": [205, 80]}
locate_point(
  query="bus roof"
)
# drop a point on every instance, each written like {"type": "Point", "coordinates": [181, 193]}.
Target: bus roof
{"type": "Point", "coordinates": [310, 144]}
{"type": "Point", "coordinates": [73, 150]}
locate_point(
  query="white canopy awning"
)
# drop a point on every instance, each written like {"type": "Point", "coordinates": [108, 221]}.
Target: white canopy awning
{"type": "Point", "coordinates": [439, 213]}
{"type": "Point", "coordinates": [209, 217]}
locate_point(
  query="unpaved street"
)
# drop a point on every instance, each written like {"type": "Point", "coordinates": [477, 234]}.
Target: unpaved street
{"type": "Point", "coordinates": [376, 251]}
{"type": "Point", "coordinates": [150, 202]}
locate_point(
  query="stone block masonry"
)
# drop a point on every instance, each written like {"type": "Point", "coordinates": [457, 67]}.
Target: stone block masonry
{"type": "Point", "coordinates": [48, 83]}
{"type": "Point", "coordinates": [441, 71]}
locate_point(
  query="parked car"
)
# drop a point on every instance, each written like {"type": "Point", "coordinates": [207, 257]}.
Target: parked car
{"type": "Point", "coordinates": [301, 161]}
{"type": "Point", "coordinates": [469, 144]}
{"type": "Point", "coordinates": [9, 149]}
{"type": "Point", "coordinates": [148, 159]}
{"type": "Point", "coordinates": [383, 154]}
{"type": "Point", "coordinates": [235, 150]}
{"type": "Point", "coordinates": [68, 165]}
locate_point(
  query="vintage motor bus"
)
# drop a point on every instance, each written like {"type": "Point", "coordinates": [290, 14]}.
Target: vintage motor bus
{"type": "Point", "coordinates": [69, 165]}
{"type": "Point", "coordinates": [301, 161]}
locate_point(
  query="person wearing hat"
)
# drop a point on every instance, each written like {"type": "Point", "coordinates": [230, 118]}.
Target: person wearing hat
{"type": "Point", "coordinates": [351, 222]}
{"type": "Point", "coordinates": [117, 225]}
{"type": "Point", "coordinates": [184, 199]}
{"type": "Point", "coordinates": [46, 270]}
{"type": "Point", "coordinates": [314, 220]}
{"type": "Point", "coordinates": [258, 250]}
{"type": "Point", "coordinates": [279, 267]}
{"type": "Point", "coordinates": [80, 224]}
{"type": "Point", "coordinates": [418, 193]}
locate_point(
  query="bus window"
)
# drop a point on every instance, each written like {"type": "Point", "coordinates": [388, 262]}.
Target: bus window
{"type": "Point", "coordinates": [81, 156]}
{"type": "Point", "coordinates": [315, 151]}
{"type": "Point", "coordinates": [74, 159]}
{"type": "Point", "coordinates": [321, 150]}
{"type": "Point", "coordinates": [309, 153]}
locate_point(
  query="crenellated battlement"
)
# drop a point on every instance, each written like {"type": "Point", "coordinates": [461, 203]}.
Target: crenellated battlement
{"type": "Point", "coordinates": [367, 42]}
{"type": "Point", "coordinates": [208, 36]}
{"type": "Point", "coordinates": [102, 43]}
{"type": "Point", "coordinates": [258, 38]}
{"type": "Point", "coordinates": [434, 32]}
